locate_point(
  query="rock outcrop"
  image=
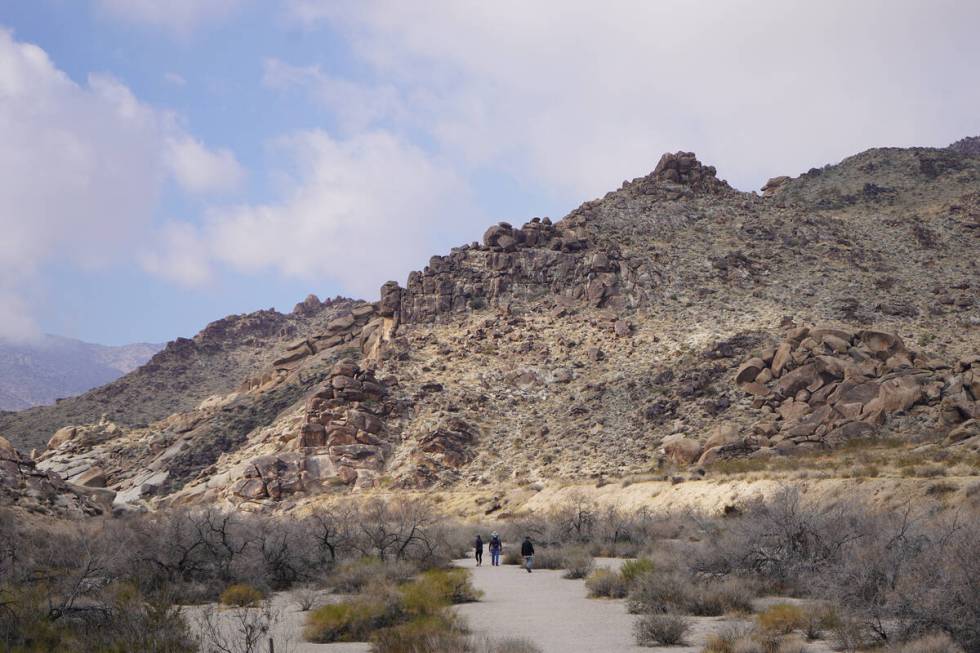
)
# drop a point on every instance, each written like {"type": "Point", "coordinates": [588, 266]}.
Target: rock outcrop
{"type": "Point", "coordinates": [24, 487]}
{"type": "Point", "coordinates": [824, 387]}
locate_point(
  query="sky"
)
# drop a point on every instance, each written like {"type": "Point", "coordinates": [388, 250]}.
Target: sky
{"type": "Point", "coordinates": [164, 164]}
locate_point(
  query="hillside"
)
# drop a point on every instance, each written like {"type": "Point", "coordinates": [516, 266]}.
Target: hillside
{"type": "Point", "coordinates": [670, 326]}
{"type": "Point", "coordinates": [43, 371]}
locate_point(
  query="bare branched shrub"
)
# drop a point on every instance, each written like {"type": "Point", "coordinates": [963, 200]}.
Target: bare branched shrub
{"type": "Point", "coordinates": [305, 596]}
{"type": "Point", "coordinates": [661, 630]}
{"type": "Point", "coordinates": [239, 629]}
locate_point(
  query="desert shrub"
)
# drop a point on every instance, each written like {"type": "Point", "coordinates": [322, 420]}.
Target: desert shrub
{"type": "Point", "coordinates": [661, 629]}
{"type": "Point", "coordinates": [605, 583]}
{"type": "Point", "coordinates": [715, 598]}
{"type": "Point", "coordinates": [350, 621]}
{"type": "Point", "coordinates": [729, 640]}
{"type": "Point", "coordinates": [850, 634]}
{"type": "Point", "coordinates": [433, 633]}
{"type": "Point", "coordinates": [791, 644]}
{"type": "Point", "coordinates": [548, 558]}
{"type": "Point", "coordinates": [781, 619]}
{"type": "Point", "coordinates": [578, 563]}
{"type": "Point", "coordinates": [352, 576]}
{"type": "Point", "coordinates": [931, 643]}
{"type": "Point", "coordinates": [659, 592]}
{"type": "Point", "coordinates": [305, 597]}
{"type": "Point", "coordinates": [452, 585]}
{"type": "Point", "coordinates": [240, 595]}
{"type": "Point", "coordinates": [507, 645]}
{"type": "Point", "coordinates": [819, 620]}
{"type": "Point", "coordinates": [513, 557]}
{"type": "Point", "coordinates": [633, 569]}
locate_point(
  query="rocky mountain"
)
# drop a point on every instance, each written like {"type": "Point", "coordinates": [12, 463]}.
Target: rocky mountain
{"type": "Point", "coordinates": [42, 371]}
{"type": "Point", "coordinates": [671, 324]}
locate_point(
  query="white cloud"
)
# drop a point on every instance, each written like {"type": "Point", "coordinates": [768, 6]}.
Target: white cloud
{"type": "Point", "coordinates": [180, 17]}
{"type": "Point", "coordinates": [357, 106]}
{"type": "Point", "coordinates": [576, 96]}
{"type": "Point", "coordinates": [359, 212]}
{"type": "Point", "coordinates": [179, 255]}
{"type": "Point", "coordinates": [82, 168]}
{"type": "Point", "coordinates": [200, 170]}
{"type": "Point", "coordinates": [16, 321]}
{"type": "Point", "coordinates": [174, 78]}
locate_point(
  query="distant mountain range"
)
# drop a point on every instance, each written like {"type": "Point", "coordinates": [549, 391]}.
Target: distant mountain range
{"type": "Point", "coordinates": [42, 371]}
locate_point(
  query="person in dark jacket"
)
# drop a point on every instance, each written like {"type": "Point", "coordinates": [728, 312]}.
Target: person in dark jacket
{"type": "Point", "coordinates": [478, 546]}
{"type": "Point", "coordinates": [495, 547]}
{"type": "Point", "coordinates": [527, 550]}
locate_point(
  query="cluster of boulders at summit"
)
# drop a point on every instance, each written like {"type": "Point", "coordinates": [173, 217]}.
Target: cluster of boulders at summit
{"type": "Point", "coordinates": [821, 387]}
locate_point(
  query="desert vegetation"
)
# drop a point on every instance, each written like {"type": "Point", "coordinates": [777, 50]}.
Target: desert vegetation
{"type": "Point", "coordinates": [380, 572]}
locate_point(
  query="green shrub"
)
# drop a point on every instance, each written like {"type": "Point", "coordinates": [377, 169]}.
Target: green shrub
{"type": "Point", "coordinates": [240, 595]}
{"type": "Point", "coordinates": [350, 621]}
{"type": "Point", "coordinates": [633, 569]}
{"type": "Point", "coordinates": [454, 585]}
{"type": "Point", "coordinates": [424, 634]}
{"type": "Point", "coordinates": [606, 583]}
{"type": "Point", "coordinates": [661, 629]}
{"type": "Point", "coordinates": [781, 619]}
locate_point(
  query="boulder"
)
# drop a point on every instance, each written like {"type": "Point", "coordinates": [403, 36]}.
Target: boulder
{"type": "Point", "coordinates": [749, 371]}
{"type": "Point", "coordinates": [721, 435]}
{"type": "Point", "coordinates": [93, 477]}
{"type": "Point", "coordinates": [681, 450]}
{"type": "Point", "coordinates": [965, 431]}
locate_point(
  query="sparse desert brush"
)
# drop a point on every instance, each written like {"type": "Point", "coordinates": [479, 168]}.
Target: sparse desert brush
{"type": "Point", "coordinates": [660, 591]}
{"type": "Point", "coordinates": [717, 597]}
{"type": "Point", "coordinates": [605, 583]}
{"type": "Point", "coordinates": [791, 644]}
{"type": "Point", "coordinates": [781, 619]}
{"type": "Point", "coordinates": [631, 570]}
{"type": "Point", "coordinates": [240, 595]}
{"type": "Point", "coordinates": [352, 576]}
{"type": "Point", "coordinates": [940, 488]}
{"type": "Point", "coordinates": [729, 640]}
{"type": "Point", "coordinates": [578, 563]}
{"type": "Point", "coordinates": [931, 643]}
{"type": "Point", "coordinates": [661, 629]}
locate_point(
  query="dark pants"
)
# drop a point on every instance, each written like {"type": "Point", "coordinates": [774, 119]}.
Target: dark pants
{"type": "Point", "coordinates": [479, 556]}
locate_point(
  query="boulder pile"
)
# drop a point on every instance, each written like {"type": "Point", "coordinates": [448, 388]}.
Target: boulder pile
{"type": "Point", "coordinates": [23, 485]}
{"type": "Point", "coordinates": [344, 440]}
{"type": "Point", "coordinates": [437, 455]}
{"type": "Point", "coordinates": [540, 258]}
{"type": "Point", "coordinates": [828, 386]}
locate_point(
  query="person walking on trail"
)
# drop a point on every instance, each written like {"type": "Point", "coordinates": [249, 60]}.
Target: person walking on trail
{"type": "Point", "coordinates": [495, 548]}
{"type": "Point", "coordinates": [527, 550]}
{"type": "Point", "coordinates": [478, 545]}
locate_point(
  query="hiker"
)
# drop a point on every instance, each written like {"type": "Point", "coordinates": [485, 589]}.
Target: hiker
{"type": "Point", "coordinates": [478, 545]}
{"type": "Point", "coordinates": [527, 550]}
{"type": "Point", "coordinates": [495, 548]}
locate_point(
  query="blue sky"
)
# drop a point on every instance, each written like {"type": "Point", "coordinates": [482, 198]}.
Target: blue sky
{"type": "Point", "coordinates": [168, 166]}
